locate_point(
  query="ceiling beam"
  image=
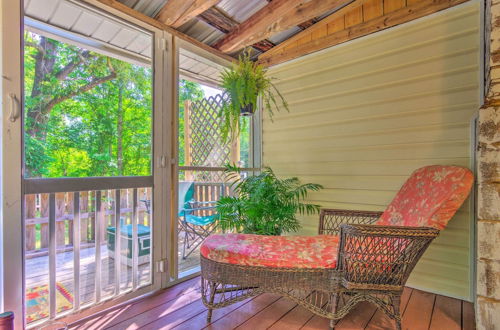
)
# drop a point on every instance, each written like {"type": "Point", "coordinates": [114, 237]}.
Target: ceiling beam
{"type": "Point", "coordinates": [222, 22]}
{"type": "Point", "coordinates": [177, 12]}
{"type": "Point", "coordinates": [286, 51]}
{"type": "Point", "coordinates": [121, 8]}
{"type": "Point", "coordinates": [308, 24]}
{"type": "Point", "coordinates": [277, 16]}
{"type": "Point", "coordinates": [218, 19]}
{"type": "Point", "coordinates": [338, 14]}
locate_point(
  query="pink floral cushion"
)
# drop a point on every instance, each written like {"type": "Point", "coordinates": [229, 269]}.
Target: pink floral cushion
{"type": "Point", "coordinates": [429, 198]}
{"type": "Point", "coordinates": [272, 251]}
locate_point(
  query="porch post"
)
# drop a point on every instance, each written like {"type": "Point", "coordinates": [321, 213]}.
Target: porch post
{"type": "Point", "coordinates": [488, 180]}
{"type": "Point", "coordinates": [235, 152]}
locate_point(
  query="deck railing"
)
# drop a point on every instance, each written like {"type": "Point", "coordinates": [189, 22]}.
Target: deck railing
{"type": "Point", "coordinates": [37, 215]}
{"type": "Point", "coordinates": [75, 213]}
{"type": "Point", "coordinates": [210, 192]}
{"type": "Point", "coordinates": [67, 215]}
{"type": "Point", "coordinates": [37, 218]}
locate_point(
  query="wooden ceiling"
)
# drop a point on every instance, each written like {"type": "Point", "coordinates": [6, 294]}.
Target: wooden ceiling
{"type": "Point", "coordinates": [308, 25]}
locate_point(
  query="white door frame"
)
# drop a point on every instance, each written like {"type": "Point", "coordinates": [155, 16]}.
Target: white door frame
{"type": "Point", "coordinates": [12, 247]}
{"type": "Point", "coordinates": [170, 87]}
{"type": "Point", "coordinates": [12, 96]}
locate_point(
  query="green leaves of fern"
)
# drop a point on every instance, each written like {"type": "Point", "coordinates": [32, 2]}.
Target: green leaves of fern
{"type": "Point", "coordinates": [244, 82]}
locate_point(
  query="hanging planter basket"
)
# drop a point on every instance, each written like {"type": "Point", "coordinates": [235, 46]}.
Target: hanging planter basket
{"type": "Point", "coordinates": [247, 110]}
{"type": "Point", "coordinates": [243, 83]}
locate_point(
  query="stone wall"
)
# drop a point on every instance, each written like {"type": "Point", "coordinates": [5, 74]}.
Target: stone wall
{"type": "Point", "coordinates": [488, 168]}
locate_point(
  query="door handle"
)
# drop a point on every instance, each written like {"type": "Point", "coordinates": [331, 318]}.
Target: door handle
{"type": "Point", "coordinates": [14, 107]}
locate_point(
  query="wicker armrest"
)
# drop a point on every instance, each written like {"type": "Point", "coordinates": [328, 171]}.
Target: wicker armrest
{"type": "Point", "coordinates": [331, 219]}
{"type": "Point", "coordinates": [399, 231]}
{"type": "Point", "coordinates": [380, 257]}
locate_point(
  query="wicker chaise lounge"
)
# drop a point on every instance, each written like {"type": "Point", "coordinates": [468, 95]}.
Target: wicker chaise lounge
{"type": "Point", "coordinates": [357, 256]}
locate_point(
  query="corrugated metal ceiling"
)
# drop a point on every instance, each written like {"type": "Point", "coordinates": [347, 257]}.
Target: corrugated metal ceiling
{"type": "Point", "coordinates": [85, 27]}
{"type": "Point", "coordinates": [241, 10]}
{"type": "Point", "coordinates": [66, 15]}
{"type": "Point", "coordinates": [201, 31]}
{"type": "Point", "coordinates": [238, 10]}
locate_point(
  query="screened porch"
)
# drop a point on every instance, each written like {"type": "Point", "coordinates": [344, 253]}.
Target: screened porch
{"type": "Point", "coordinates": [225, 164]}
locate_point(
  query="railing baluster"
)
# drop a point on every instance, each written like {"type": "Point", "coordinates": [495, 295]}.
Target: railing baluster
{"type": "Point", "coordinates": [135, 245]}
{"type": "Point", "coordinates": [117, 241]}
{"type": "Point", "coordinates": [97, 238]}
{"type": "Point", "coordinates": [52, 256]}
{"type": "Point", "coordinates": [82, 213]}
{"type": "Point", "coordinates": [76, 250]}
{"type": "Point", "coordinates": [45, 237]}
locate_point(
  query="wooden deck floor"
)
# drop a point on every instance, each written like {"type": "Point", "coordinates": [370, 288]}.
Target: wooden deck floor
{"type": "Point", "coordinates": [180, 307]}
{"type": "Point", "coordinates": [37, 273]}
{"type": "Point", "coordinates": [37, 270]}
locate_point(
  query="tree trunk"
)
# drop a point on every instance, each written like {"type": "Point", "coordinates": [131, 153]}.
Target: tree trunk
{"type": "Point", "coordinates": [44, 67]}
{"type": "Point", "coordinates": [119, 130]}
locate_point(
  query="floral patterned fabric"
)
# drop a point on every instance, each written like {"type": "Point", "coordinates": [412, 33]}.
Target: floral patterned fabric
{"type": "Point", "coordinates": [429, 198]}
{"type": "Point", "coordinates": [272, 251]}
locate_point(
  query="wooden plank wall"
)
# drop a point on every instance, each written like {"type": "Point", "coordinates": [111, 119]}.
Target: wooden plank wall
{"type": "Point", "coordinates": [357, 19]}
{"type": "Point", "coordinates": [365, 114]}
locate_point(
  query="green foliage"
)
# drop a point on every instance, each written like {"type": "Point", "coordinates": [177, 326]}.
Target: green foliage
{"type": "Point", "coordinates": [70, 162]}
{"type": "Point", "coordinates": [244, 82]}
{"type": "Point", "coordinates": [265, 204]}
{"type": "Point", "coordinates": [86, 114]}
{"type": "Point", "coordinates": [103, 131]}
{"type": "Point", "coordinates": [192, 91]}
{"type": "Point", "coordinates": [75, 127]}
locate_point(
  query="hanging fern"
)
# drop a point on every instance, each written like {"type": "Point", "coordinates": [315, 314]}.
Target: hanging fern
{"type": "Point", "coordinates": [244, 82]}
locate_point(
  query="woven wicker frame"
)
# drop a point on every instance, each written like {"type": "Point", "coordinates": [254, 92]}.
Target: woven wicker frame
{"type": "Point", "coordinates": [374, 263]}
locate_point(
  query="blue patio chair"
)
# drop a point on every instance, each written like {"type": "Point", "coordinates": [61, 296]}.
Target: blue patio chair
{"type": "Point", "coordinates": [196, 227]}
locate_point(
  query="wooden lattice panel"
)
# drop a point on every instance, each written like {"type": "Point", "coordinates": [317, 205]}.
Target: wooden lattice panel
{"type": "Point", "coordinates": [205, 141]}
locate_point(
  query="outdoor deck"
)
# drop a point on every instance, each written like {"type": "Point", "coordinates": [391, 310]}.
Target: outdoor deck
{"type": "Point", "coordinates": [37, 271]}
{"type": "Point", "coordinates": [180, 307]}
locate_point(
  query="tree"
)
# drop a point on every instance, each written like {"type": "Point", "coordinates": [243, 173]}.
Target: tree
{"type": "Point", "coordinates": [88, 114]}
{"type": "Point", "coordinates": [55, 72]}
{"type": "Point", "coordinates": [82, 102]}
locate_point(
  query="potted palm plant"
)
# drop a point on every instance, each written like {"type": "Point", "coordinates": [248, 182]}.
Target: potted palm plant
{"type": "Point", "coordinates": [264, 204]}
{"type": "Point", "coordinates": [244, 82]}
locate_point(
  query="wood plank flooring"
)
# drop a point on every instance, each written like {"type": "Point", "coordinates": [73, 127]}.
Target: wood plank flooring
{"type": "Point", "coordinates": [37, 271]}
{"type": "Point", "coordinates": [180, 307]}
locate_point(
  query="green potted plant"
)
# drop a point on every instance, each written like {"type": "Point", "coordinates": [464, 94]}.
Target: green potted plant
{"type": "Point", "coordinates": [243, 83]}
{"type": "Point", "coordinates": [264, 204]}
